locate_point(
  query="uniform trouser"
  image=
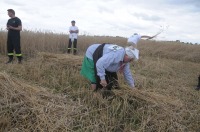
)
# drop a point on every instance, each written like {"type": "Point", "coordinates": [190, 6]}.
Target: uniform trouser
{"type": "Point", "coordinates": [13, 44]}
{"type": "Point", "coordinates": [70, 46]}
{"type": "Point", "coordinates": [198, 85]}
{"type": "Point", "coordinates": [111, 77]}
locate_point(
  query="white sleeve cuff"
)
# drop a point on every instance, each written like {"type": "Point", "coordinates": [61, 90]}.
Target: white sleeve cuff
{"type": "Point", "coordinates": [102, 77]}
{"type": "Point", "coordinates": [132, 86]}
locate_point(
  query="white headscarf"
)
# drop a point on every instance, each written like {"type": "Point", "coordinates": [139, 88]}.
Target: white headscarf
{"type": "Point", "coordinates": [132, 52]}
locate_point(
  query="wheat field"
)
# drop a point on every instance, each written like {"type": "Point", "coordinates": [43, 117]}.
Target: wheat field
{"type": "Point", "coordinates": [47, 93]}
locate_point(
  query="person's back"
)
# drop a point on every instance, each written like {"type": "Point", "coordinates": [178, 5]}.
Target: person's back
{"type": "Point", "coordinates": [108, 48]}
{"type": "Point", "coordinates": [90, 50]}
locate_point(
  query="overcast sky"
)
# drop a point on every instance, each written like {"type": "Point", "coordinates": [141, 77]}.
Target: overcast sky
{"type": "Point", "coordinates": [180, 19]}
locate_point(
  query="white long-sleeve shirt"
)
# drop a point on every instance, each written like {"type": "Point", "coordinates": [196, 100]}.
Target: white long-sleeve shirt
{"type": "Point", "coordinates": [73, 35]}
{"type": "Point", "coordinates": [134, 39]}
{"type": "Point", "coordinates": [110, 61]}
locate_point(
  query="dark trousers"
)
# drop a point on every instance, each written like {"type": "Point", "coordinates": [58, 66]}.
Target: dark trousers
{"type": "Point", "coordinates": [111, 77]}
{"type": "Point", "coordinates": [198, 85]}
{"type": "Point", "coordinates": [70, 46]}
{"type": "Point", "coordinates": [13, 44]}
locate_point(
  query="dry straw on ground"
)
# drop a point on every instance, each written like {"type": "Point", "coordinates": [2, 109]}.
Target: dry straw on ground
{"type": "Point", "coordinates": [47, 92]}
{"type": "Point", "coordinates": [27, 107]}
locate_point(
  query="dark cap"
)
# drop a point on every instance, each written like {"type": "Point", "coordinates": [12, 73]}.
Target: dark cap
{"type": "Point", "coordinates": [11, 10]}
{"type": "Point", "coordinates": [72, 21]}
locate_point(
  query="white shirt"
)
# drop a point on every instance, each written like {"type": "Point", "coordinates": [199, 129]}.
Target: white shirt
{"type": "Point", "coordinates": [134, 39]}
{"type": "Point", "coordinates": [110, 61]}
{"type": "Point", "coordinates": [73, 35]}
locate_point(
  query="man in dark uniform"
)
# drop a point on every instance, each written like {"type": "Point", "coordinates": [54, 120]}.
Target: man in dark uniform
{"type": "Point", "coordinates": [14, 26]}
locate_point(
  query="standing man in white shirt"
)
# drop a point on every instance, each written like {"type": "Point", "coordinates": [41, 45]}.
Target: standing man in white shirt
{"type": "Point", "coordinates": [73, 30]}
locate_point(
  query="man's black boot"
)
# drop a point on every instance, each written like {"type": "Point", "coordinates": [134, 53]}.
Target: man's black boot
{"type": "Point", "coordinates": [20, 60]}
{"type": "Point", "coordinates": [198, 86]}
{"type": "Point", "coordinates": [10, 60]}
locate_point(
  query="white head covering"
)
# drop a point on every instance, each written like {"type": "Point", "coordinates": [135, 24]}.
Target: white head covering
{"type": "Point", "coordinates": [132, 52]}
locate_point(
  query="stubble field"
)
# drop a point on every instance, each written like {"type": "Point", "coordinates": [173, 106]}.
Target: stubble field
{"type": "Point", "coordinates": [47, 92]}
